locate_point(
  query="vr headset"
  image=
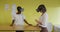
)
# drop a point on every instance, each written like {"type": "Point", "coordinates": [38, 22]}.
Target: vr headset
{"type": "Point", "coordinates": [20, 9]}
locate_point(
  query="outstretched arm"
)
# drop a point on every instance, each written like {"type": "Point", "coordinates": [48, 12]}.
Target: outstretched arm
{"type": "Point", "coordinates": [12, 22]}
{"type": "Point", "coordinates": [27, 22]}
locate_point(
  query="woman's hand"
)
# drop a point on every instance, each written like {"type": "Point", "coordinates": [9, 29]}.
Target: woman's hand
{"type": "Point", "coordinates": [36, 20]}
{"type": "Point", "coordinates": [39, 22]}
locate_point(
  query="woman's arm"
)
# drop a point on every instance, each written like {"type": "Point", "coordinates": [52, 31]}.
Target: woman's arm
{"type": "Point", "coordinates": [27, 22]}
{"type": "Point", "coordinates": [12, 22]}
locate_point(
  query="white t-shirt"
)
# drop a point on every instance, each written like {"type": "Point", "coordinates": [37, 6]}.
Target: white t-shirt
{"type": "Point", "coordinates": [44, 19]}
{"type": "Point", "coordinates": [19, 19]}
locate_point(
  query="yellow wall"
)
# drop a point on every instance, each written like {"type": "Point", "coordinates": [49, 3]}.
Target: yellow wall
{"type": "Point", "coordinates": [53, 10]}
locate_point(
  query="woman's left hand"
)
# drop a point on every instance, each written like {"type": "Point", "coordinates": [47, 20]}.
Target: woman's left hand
{"type": "Point", "coordinates": [39, 22]}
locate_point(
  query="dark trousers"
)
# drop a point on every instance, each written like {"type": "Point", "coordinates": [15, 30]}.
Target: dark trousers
{"type": "Point", "coordinates": [43, 29]}
{"type": "Point", "coordinates": [19, 31]}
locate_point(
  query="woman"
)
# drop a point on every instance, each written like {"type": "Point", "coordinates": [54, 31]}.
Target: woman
{"type": "Point", "coordinates": [42, 22]}
{"type": "Point", "coordinates": [19, 19]}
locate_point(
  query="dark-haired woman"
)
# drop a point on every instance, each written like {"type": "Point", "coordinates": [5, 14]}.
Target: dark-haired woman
{"type": "Point", "coordinates": [42, 22]}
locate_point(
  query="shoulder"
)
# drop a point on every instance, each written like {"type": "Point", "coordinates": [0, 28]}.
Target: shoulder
{"type": "Point", "coordinates": [22, 15]}
{"type": "Point", "coordinates": [13, 15]}
{"type": "Point", "coordinates": [45, 15]}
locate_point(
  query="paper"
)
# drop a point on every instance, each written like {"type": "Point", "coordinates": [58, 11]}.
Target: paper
{"type": "Point", "coordinates": [6, 7]}
{"type": "Point", "coordinates": [14, 9]}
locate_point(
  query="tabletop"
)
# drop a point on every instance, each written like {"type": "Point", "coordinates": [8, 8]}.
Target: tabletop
{"type": "Point", "coordinates": [19, 28]}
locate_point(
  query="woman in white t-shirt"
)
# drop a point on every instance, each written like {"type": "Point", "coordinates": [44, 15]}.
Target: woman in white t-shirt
{"type": "Point", "coordinates": [18, 18]}
{"type": "Point", "coordinates": [43, 20]}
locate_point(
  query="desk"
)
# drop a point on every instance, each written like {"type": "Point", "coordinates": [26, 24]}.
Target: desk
{"type": "Point", "coordinates": [14, 28]}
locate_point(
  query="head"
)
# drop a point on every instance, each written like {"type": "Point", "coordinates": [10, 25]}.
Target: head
{"type": "Point", "coordinates": [19, 9]}
{"type": "Point", "coordinates": [41, 8]}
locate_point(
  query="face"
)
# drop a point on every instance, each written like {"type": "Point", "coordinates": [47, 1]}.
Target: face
{"type": "Point", "coordinates": [19, 11]}
{"type": "Point", "coordinates": [37, 10]}
{"type": "Point", "coordinates": [22, 9]}
{"type": "Point", "coordinates": [41, 11]}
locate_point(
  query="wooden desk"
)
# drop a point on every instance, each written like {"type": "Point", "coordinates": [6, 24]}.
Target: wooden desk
{"type": "Point", "coordinates": [13, 28]}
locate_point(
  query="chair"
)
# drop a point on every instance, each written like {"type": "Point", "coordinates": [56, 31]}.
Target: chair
{"type": "Point", "coordinates": [56, 28]}
{"type": "Point", "coordinates": [49, 26]}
